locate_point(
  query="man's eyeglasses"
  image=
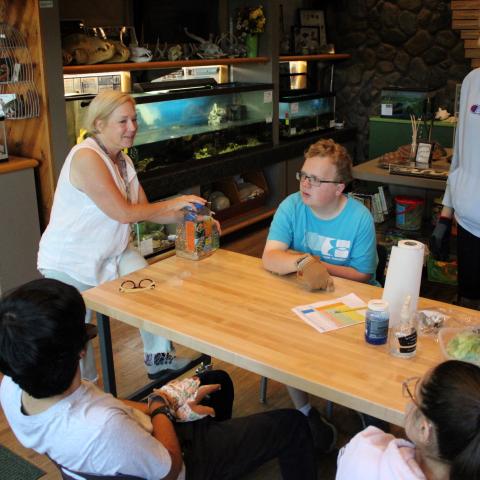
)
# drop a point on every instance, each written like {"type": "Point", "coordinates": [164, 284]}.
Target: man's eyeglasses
{"type": "Point", "coordinates": [409, 387]}
{"type": "Point", "coordinates": [129, 286]}
{"type": "Point", "coordinates": [312, 179]}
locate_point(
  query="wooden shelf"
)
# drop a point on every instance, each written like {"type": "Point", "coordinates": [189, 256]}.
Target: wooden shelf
{"type": "Point", "coordinates": [14, 164]}
{"type": "Point", "coordinates": [127, 67]}
{"type": "Point", "coordinates": [318, 57]}
{"type": "Point", "coordinates": [248, 218]}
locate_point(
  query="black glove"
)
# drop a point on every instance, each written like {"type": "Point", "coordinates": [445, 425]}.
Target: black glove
{"type": "Point", "coordinates": [440, 239]}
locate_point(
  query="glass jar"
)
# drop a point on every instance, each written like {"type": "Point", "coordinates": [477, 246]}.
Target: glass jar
{"type": "Point", "coordinates": [197, 235]}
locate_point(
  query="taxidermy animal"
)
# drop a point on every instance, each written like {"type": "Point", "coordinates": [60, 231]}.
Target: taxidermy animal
{"type": "Point", "coordinates": [85, 50]}
{"type": "Point", "coordinates": [122, 53]}
{"type": "Point", "coordinates": [140, 54]}
{"type": "Point", "coordinates": [207, 48]}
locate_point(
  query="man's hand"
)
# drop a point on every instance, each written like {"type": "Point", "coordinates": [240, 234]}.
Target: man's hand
{"type": "Point", "coordinates": [313, 274]}
{"type": "Point", "coordinates": [440, 239]}
{"type": "Point", "coordinates": [184, 397]}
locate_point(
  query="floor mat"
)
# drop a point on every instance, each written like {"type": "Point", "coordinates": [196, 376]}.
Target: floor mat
{"type": "Point", "coordinates": [15, 467]}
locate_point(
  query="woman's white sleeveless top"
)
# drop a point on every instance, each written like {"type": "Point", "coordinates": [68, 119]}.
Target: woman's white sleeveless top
{"type": "Point", "coordinates": [81, 240]}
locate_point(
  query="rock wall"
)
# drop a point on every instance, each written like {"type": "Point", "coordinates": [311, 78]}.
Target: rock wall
{"type": "Point", "coordinates": [404, 43]}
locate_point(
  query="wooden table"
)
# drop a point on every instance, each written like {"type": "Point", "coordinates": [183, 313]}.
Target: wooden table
{"type": "Point", "coordinates": [229, 307]}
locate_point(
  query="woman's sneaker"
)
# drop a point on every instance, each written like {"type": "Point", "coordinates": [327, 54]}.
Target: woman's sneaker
{"type": "Point", "coordinates": [324, 433]}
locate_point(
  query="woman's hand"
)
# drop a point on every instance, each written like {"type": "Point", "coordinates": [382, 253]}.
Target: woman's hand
{"type": "Point", "coordinates": [186, 201]}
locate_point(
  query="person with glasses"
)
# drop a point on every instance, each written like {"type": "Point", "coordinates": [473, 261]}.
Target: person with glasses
{"type": "Point", "coordinates": [442, 423]}
{"type": "Point", "coordinates": [319, 228]}
{"type": "Point", "coordinates": [98, 196]}
{"type": "Point", "coordinates": [90, 434]}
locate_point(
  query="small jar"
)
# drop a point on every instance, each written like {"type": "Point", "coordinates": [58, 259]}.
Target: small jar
{"type": "Point", "coordinates": [376, 322]}
{"type": "Point", "coordinates": [197, 235]}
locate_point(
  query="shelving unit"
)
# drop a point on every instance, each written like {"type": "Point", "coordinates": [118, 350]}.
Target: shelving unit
{"type": "Point", "coordinates": [276, 161]}
{"type": "Point", "coordinates": [321, 57]}
{"type": "Point", "coordinates": [130, 66]}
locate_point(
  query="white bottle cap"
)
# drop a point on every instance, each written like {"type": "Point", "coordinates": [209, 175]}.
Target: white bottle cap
{"type": "Point", "coordinates": [378, 305]}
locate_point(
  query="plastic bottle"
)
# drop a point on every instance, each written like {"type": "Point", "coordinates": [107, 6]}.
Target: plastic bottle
{"type": "Point", "coordinates": [403, 337]}
{"type": "Point", "coordinates": [197, 235]}
{"type": "Point", "coordinates": [376, 322]}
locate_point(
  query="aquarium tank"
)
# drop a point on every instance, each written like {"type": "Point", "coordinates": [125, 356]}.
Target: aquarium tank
{"type": "Point", "coordinates": [307, 113]}
{"type": "Point", "coordinates": [192, 125]}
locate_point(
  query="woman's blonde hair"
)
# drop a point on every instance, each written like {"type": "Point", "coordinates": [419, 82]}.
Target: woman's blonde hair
{"type": "Point", "coordinates": [337, 154]}
{"type": "Point", "coordinates": [102, 106]}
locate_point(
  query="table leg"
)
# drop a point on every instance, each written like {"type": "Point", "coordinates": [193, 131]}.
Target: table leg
{"type": "Point", "coordinates": [106, 354]}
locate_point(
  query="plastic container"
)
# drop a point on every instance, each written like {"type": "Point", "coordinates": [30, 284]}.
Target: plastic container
{"type": "Point", "coordinates": [460, 344]}
{"type": "Point", "coordinates": [376, 322]}
{"type": "Point", "coordinates": [197, 234]}
{"type": "Point", "coordinates": [403, 337]}
{"type": "Point", "coordinates": [408, 212]}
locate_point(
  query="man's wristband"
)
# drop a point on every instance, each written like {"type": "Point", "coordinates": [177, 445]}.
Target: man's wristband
{"type": "Point", "coordinates": [164, 410]}
{"type": "Point", "coordinates": [299, 262]}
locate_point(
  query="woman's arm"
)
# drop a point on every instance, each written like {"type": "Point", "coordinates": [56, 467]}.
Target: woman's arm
{"type": "Point", "coordinates": [90, 175]}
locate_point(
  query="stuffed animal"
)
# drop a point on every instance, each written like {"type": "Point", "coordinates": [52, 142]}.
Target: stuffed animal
{"type": "Point", "coordinates": [122, 53]}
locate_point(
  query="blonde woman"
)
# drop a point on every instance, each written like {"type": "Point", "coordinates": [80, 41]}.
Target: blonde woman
{"type": "Point", "coordinates": [98, 196]}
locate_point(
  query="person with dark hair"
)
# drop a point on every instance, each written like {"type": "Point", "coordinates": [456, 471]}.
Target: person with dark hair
{"type": "Point", "coordinates": [318, 232]}
{"type": "Point", "coordinates": [88, 432]}
{"type": "Point", "coordinates": [442, 422]}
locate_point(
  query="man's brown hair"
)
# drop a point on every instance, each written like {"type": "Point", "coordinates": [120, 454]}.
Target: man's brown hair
{"type": "Point", "coordinates": [337, 154]}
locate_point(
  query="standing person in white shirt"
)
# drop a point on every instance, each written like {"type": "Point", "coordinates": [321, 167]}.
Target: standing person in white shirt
{"type": "Point", "coordinates": [462, 197]}
{"type": "Point", "coordinates": [98, 196]}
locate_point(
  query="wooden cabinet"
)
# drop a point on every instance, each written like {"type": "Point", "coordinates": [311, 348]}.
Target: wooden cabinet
{"type": "Point", "coordinates": [19, 223]}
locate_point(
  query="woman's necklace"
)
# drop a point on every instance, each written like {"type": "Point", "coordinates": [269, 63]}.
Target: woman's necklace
{"type": "Point", "coordinates": [121, 164]}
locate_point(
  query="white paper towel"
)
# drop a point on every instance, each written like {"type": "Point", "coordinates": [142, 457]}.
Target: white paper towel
{"type": "Point", "coordinates": [404, 275]}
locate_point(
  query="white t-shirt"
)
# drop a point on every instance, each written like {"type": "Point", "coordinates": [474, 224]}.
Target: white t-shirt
{"type": "Point", "coordinates": [89, 431]}
{"type": "Point", "coordinates": [375, 455]}
{"type": "Point", "coordinates": [80, 239]}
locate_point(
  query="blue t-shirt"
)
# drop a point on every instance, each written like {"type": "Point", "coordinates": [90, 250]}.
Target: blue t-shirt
{"type": "Point", "coordinates": [348, 239]}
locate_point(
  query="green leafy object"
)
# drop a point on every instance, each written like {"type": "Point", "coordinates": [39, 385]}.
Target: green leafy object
{"type": "Point", "coordinates": [465, 346]}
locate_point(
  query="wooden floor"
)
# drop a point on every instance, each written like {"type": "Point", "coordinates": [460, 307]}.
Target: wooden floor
{"type": "Point", "coordinates": [131, 376]}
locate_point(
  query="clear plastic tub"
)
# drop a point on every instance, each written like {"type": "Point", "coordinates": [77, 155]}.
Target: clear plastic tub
{"type": "Point", "coordinates": [460, 344]}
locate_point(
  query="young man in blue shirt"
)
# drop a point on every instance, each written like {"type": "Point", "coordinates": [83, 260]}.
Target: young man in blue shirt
{"type": "Point", "coordinates": [320, 229]}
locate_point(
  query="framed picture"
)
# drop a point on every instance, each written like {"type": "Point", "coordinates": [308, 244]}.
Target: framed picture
{"type": "Point", "coordinates": [305, 40]}
{"type": "Point", "coordinates": [424, 154]}
{"type": "Point", "coordinates": [314, 18]}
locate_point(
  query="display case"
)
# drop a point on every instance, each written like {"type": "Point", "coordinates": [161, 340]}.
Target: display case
{"type": "Point", "coordinates": [180, 123]}
{"type": "Point", "coordinates": [306, 113]}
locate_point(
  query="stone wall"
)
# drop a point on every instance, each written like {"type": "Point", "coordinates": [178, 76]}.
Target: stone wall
{"type": "Point", "coordinates": [404, 43]}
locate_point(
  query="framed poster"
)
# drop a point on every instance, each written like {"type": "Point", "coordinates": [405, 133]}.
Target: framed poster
{"type": "Point", "coordinates": [305, 40]}
{"type": "Point", "coordinates": [314, 18]}
{"type": "Point", "coordinates": [424, 154]}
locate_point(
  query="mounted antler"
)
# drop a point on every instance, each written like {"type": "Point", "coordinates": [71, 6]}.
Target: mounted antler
{"type": "Point", "coordinates": [195, 37]}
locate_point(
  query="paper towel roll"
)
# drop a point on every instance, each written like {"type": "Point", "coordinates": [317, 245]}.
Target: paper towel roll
{"type": "Point", "coordinates": [404, 275]}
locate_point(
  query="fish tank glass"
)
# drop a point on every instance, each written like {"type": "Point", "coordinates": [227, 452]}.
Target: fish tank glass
{"type": "Point", "coordinates": [307, 113]}
{"type": "Point", "coordinates": [178, 125]}
{"type": "Point", "coordinates": [152, 238]}
{"type": "Point", "coordinates": [200, 124]}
